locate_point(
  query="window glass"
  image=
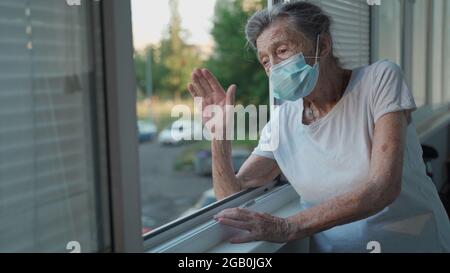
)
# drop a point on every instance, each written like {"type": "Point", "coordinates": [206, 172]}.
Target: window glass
{"type": "Point", "coordinates": [185, 34]}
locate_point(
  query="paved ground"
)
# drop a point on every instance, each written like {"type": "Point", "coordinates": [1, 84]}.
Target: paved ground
{"type": "Point", "coordinates": [165, 193]}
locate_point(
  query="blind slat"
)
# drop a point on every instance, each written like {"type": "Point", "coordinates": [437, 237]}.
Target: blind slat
{"type": "Point", "coordinates": [46, 180]}
{"type": "Point", "coordinates": [350, 30]}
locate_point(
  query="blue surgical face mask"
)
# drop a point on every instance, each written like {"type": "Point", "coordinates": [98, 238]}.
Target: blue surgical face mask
{"type": "Point", "coordinates": [293, 78]}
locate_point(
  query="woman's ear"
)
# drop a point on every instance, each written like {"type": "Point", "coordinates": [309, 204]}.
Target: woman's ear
{"type": "Point", "coordinates": [326, 45]}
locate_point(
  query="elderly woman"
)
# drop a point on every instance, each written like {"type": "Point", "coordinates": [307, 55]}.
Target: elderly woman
{"type": "Point", "coordinates": [346, 144]}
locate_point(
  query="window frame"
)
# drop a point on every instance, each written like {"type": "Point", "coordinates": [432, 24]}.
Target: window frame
{"type": "Point", "coordinates": [122, 148]}
{"type": "Point", "coordinates": [199, 232]}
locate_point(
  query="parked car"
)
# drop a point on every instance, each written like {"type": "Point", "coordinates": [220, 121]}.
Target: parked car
{"type": "Point", "coordinates": [180, 131]}
{"type": "Point", "coordinates": [147, 131]}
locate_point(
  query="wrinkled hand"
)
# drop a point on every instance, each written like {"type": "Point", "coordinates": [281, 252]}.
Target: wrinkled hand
{"type": "Point", "coordinates": [259, 226]}
{"type": "Point", "coordinates": [207, 87]}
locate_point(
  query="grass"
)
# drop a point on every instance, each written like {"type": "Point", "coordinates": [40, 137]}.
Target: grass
{"type": "Point", "coordinates": [159, 111]}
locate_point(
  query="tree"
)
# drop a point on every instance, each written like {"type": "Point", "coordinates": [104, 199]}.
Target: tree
{"type": "Point", "coordinates": [159, 71]}
{"type": "Point", "coordinates": [178, 58]}
{"type": "Point", "coordinates": [172, 60]}
{"type": "Point", "coordinates": [233, 62]}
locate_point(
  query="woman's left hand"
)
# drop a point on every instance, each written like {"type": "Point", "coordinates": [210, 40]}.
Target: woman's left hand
{"type": "Point", "coordinates": [260, 226]}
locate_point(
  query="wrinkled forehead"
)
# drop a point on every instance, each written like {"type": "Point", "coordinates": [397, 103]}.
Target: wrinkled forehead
{"type": "Point", "coordinates": [278, 33]}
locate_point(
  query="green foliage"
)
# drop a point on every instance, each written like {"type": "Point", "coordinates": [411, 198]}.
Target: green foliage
{"type": "Point", "coordinates": [172, 61]}
{"type": "Point", "coordinates": [159, 71]}
{"type": "Point", "coordinates": [233, 62]}
{"type": "Point", "coordinates": [178, 58]}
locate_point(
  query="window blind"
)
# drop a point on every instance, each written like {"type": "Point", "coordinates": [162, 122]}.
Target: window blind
{"type": "Point", "coordinates": [350, 30]}
{"type": "Point", "coordinates": [46, 175]}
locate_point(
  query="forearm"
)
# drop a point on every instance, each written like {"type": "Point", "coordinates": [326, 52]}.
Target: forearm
{"type": "Point", "coordinates": [224, 178]}
{"type": "Point", "coordinates": [359, 204]}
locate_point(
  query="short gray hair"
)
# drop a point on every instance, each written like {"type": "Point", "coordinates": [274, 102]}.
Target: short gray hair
{"type": "Point", "coordinates": [305, 17]}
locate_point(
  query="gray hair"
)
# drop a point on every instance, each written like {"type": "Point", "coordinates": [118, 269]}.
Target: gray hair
{"type": "Point", "coordinates": [304, 17]}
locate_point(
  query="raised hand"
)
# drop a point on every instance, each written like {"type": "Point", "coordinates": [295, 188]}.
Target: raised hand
{"type": "Point", "coordinates": [207, 87]}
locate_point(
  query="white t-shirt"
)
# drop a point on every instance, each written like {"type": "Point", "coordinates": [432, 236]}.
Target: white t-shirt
{"type": "Point", "coordinates": [332, 156]}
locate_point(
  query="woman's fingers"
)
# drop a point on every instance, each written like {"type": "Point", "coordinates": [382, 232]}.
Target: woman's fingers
{"type": "Point", "coordinates": [236, 214]}
{"type": "Point", "coordinates": [213, 82]}
{"type": "Point", "coordinates": [198, 88]}
{"type": "Point", "coordinates": [231, 95]}
{"type": "Point", "coordinates": [205, 85]}
{"type": "Point", "coordinates": [234, 223]}
{"type": "Point", "coordinates": [248, 236]}
{"type": "Point", "coordinates": [191, 90]}
{"type": "Point", "coordinates": [203, 82]}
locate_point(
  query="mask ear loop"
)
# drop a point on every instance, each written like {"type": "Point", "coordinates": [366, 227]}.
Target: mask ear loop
{"type": "Point", "coordinates": [317, 47]}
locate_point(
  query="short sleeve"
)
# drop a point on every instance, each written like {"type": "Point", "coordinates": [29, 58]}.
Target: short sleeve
{"type": "Point", "coordinates": [389, 91]}
{"type": "Point", "coordinates": [264, 141]}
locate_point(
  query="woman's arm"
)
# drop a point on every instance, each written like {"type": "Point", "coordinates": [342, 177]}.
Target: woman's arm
{"type": "Point", "coordinates": [382, 188]}
{"type": "Point", "coordinates": [255, 172]}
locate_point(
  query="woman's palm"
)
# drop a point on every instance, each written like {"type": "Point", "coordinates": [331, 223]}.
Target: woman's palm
{"type": "Point", "coordinates": [206, 86]}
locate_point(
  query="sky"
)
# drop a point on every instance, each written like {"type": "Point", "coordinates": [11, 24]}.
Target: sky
{"type": "Point", "coordinates": [150, 17]}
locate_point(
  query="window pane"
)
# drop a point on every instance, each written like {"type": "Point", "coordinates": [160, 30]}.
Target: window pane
{"type": "Point", "coordinates": [175, 174]}
{"type": "Point", "coordinates": [50, 101]}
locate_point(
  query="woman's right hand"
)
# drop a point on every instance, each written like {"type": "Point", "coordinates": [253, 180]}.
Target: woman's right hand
{"type": "Point", "coordinates": [208, 88]}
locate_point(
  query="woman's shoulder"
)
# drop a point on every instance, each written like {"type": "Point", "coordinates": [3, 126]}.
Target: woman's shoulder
{"type": "Point", "coordinates": [383, 69]}
{"type": "Point", "coordinates": [384, 64]}
{"type": "Point", "coordinates": [375, 76]}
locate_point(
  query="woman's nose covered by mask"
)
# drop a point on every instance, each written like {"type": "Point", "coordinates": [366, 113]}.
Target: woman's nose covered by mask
{"type": "Point", "coordinates": [293, 78]}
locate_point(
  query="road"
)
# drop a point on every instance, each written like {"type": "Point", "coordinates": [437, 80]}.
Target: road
{"type": "Point", "coordinates": [166, 194]}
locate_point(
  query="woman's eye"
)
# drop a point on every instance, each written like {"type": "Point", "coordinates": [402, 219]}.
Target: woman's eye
{"type": "Point", "coordinates": [282, 50]}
